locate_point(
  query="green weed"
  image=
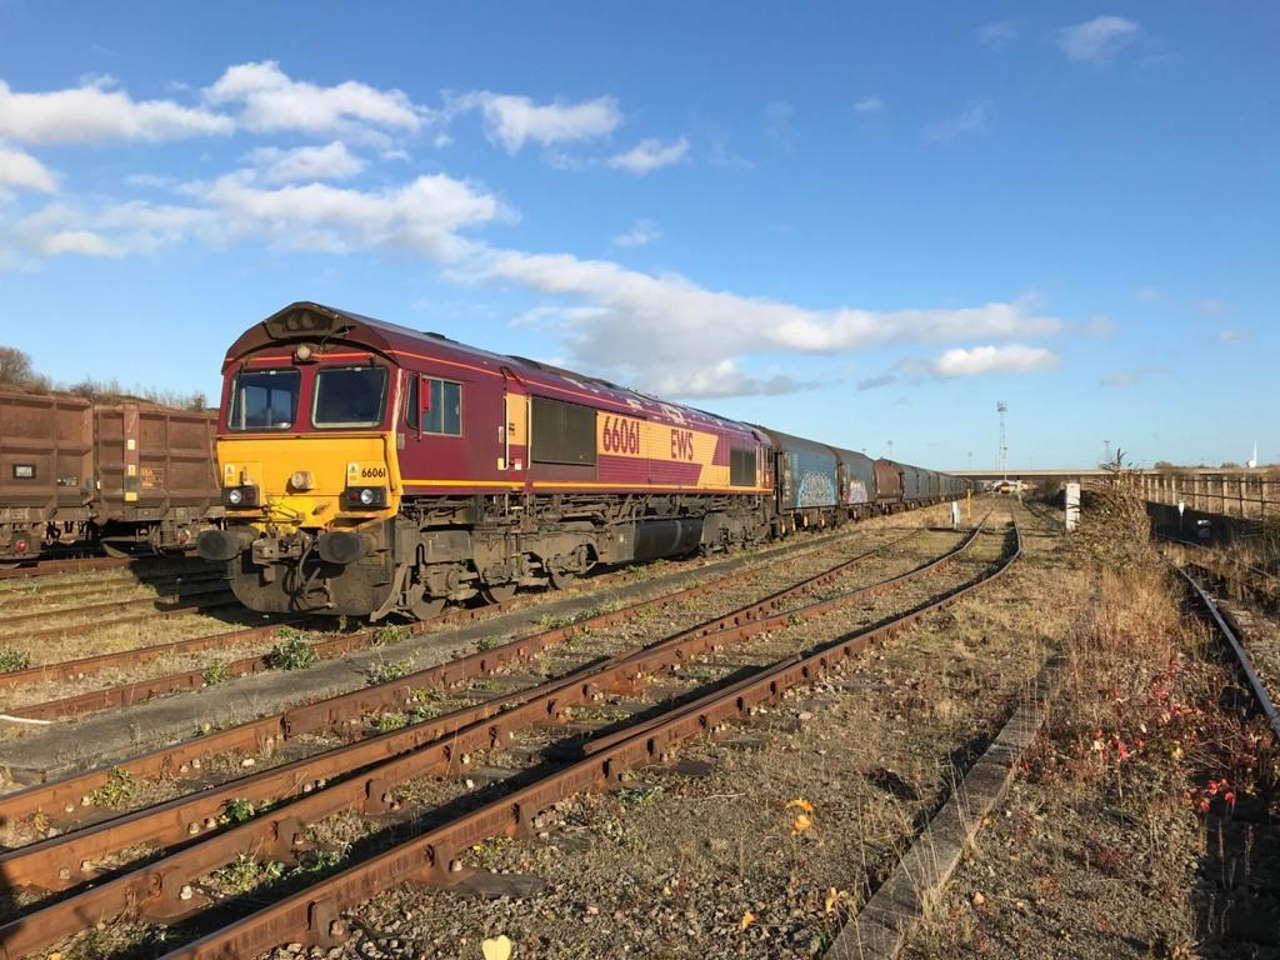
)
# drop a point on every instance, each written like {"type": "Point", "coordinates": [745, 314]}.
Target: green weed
{"type": "Point", "coordinates": [216, 673]}
{"type": "Point", "coordinates": [117, 792]}
{"type": "Point", "coordinates": [294, 653]}
{"type": "Point", "coordinates": [11, 660]}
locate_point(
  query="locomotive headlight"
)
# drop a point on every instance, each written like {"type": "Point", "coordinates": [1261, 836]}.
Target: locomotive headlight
{"type": "Point", "coordinates": [365, 498]}
{"type": "Point", "coordinates": [301, 480]}
{"type": "Point", "coordinates": [245, 495]}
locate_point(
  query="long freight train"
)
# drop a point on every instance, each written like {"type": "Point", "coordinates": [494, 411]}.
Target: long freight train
{"type": "Point", "coordinates": [121, 476]}
{"type": "Point", "coordinates": [369, 469]}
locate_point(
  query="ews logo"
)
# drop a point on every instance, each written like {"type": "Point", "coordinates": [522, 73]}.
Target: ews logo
{"type": "Point", "coordinates": [681, 444]}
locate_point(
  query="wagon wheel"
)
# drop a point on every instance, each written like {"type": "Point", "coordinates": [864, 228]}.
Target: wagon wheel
{"type": "Point", "coordinates": [113, 551]}
{"type": "Point", "coordinates": [498, 592]}
{"type": "Point", "coordinates": [9, 564]}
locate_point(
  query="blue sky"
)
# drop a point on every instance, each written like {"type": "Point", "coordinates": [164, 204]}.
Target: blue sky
{"type": "Point", "coordinates": [860, 223]}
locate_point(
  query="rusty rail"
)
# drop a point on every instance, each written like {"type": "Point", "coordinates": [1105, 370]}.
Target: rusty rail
{"type": "Point", "coordinates": [49, 568]}
{"type": "Point", "coordinates": [1227, 632]}
{"type": "Point", "coordinates": [65, 795]}
{"type": "Point", "coordinates": [313, 915]}
{"type": "Point", "coordinates": [180, 609]}
{"type": "Point", "coordinates": [61, 593]}
{"type": "Point", "coordinates": [67, 670]}
{"type": "Point", "coordinates": [55, 863]}
{"type": "Point", "coordinates": [132, 693]}
{"type": "Point", "coordinates": [110, 606]}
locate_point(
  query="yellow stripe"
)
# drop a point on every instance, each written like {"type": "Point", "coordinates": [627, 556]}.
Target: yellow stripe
{"type": "Point", "coordinates": [641, 485]}
{"type": "Point", "coordinates": [462, 483]}
{"type": "Point", "coordinates": [515, 484]}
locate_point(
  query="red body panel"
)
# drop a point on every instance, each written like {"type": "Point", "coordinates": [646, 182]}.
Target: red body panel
{"type": "Point", "coordinates": [480, 461]}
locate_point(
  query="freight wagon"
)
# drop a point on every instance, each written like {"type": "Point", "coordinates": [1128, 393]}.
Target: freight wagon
{"type": "Point", "coordinates": [120, 476]}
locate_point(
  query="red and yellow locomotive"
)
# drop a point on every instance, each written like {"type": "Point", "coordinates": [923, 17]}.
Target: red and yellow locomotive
{"type": "Point", "coordinates": [369, 469]}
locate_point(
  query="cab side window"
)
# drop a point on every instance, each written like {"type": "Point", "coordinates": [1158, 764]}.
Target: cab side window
{"type": "Point", "coordinates": [438, 403]}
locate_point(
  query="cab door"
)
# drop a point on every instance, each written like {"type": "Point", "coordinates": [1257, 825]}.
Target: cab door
{"type": "Point", "coordinates": [513, 433]}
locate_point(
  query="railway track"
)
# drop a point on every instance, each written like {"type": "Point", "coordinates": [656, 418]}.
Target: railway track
{"type": "Point", "coordinates": [134, 692]}
{"type": "Point", "coordinates": [1263, 690]}
{"type": "Point", "coordinates": [49, 568]}
{"type": "Point", "coordinates": [367, 775]}
{"type": "Point", "coordinates": [270, 732]}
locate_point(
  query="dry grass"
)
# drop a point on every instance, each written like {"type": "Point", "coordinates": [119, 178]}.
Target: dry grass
{"type": "Point", "coordinates": [1099, 851]}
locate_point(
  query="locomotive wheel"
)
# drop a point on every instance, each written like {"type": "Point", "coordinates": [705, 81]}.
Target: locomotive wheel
{"type": "Point", "coordinates": [562, 578]}
{"type": "Point", "coordinates": [498, 592]}
{"type": "Point", "coordinates": [111, 550]}
{"type": "Point", "coordinates": [424, 609]}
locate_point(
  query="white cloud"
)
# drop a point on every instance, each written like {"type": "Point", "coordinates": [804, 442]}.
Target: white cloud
{"type": "Point", "coordinates": [333, 161]}
{"type": "Point", "coordinates": [1210, 307]}
{"type": "Point", "coordinates": [21, 170]}
{"type": "Point", "coordinates": [513, 121]}
{"type": "Point", "coordinates": [642, 233]}
{"type": "Point", "coordinates": [83, 242]}
{"type": "Point", "coordinates": [650, 155]}
{"type": "Point", "coordinates": [92, 113]}
{"type": "Point", "coordinates": [998, 34]}
{"type": "Point", "coordinates": [113, 231]}
{"type": "Point", "coordinates": [271, 101]}
{"type": "Point", "coordinates": [1149, 294]}
{"type": "Point", "coordinates": [1229, 335]}
{"type": "Point", "coordinates": [423, 216]}
{"type": "Point", "coordinates": [672, 334]}
{"type": "Point", "coordinates": [972, 119]}
{"type": "Point", "coordinates": [869, 105]}
{"type": "Point", "coordinates": [1097, 40]}
{"type": "Point", "coordinates": [976, 361]}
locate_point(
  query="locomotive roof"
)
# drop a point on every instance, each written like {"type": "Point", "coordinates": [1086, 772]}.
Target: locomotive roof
{"type": "Point", "coordinates": [306, 320]}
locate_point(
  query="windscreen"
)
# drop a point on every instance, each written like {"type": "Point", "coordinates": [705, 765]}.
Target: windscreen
{"type": "Point", "coordinates": [264, 400]}
{"type": "Point", "coordinates": [350, 397]}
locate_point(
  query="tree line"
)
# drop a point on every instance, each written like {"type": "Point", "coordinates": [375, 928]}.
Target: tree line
{"type": "Point", "coordinates": [17, 373]}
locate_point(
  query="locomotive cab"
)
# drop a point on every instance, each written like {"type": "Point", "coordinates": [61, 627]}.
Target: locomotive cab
{"type": "Point", "coordinates": [310, 480]}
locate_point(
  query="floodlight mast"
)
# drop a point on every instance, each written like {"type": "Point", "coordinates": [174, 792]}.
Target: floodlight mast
{"type": "Point", "coordinates": [1002, 408]}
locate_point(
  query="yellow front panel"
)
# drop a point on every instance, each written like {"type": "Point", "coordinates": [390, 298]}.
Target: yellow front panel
{"type": "Point", "coordinates": [333, 462]}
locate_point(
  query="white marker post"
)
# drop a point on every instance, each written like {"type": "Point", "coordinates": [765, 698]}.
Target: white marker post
{"type": "Point", "coordinates": [1071, 493]}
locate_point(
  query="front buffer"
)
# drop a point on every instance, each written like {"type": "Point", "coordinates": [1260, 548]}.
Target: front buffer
{"type": "Point", "coordinates": [337, 572]}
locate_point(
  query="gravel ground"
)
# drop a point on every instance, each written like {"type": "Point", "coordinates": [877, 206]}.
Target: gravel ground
{"type": "Point", "coordinates": [769, 578]}
{"type": "Point", "coordinates": [765, 845]}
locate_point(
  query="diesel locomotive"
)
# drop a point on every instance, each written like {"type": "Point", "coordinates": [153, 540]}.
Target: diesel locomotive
{"type": "Point", "coordinates": [372, 470]}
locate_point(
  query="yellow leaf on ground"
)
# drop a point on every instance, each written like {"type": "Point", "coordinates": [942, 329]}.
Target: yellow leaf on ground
{"type": "Point", "coordinates": [833, 897]}
{"type": "Point", "coordinates": [802, 823]}
{"type": "Point", "coordinates": [800, 804]}
{"type": "Point", "coordinates": [499, 948]}
{"type": "Point", "coordinates": [748, 919]}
